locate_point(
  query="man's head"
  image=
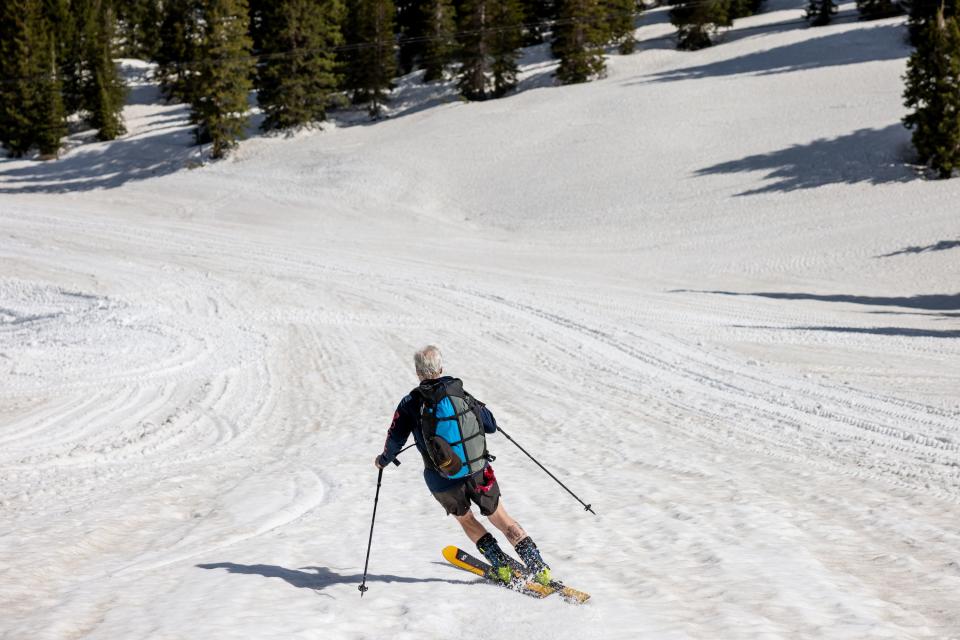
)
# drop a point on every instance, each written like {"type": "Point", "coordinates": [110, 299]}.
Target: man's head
{"type": "Point", "coordinates": [428, 362]}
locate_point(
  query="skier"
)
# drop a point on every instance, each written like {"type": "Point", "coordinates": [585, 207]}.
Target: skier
{"type": "Point", "coordinates": [448, 472]}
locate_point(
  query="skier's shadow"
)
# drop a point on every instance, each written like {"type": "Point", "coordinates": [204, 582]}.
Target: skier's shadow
{"type": "Point", "coordinates": [316, 578]}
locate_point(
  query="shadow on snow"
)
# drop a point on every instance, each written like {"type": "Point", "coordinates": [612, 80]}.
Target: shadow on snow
{"type": "Point", "coordinates": [934, 302]}
{"type": "Point", "coordinates": [943, 245]}
{"type": "Point", "coordinates": [869, 44]}
{"type": "Point", "coordinates": [866, 155]}
{"type": "Point", "coordinates": [878, 331]}
{"type": "Point", "coordinates": [316, 578]}
{"type": "Point", "coordinates": [107, 165]}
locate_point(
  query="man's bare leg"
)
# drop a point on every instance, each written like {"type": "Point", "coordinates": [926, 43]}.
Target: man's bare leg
{"type": "Point", "coordinates": [520, 541]}
{"type": "Point", "coordinates": [471, 526]}
{"type": "Point", "coordinates": [502, 521]}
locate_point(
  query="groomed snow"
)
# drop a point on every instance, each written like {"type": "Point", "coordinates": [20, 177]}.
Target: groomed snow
{"type": "Point", "coordinates": [706, 291]}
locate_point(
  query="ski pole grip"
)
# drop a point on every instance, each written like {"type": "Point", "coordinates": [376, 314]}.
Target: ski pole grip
{"type": "Point", "coordinates": [396, 462]}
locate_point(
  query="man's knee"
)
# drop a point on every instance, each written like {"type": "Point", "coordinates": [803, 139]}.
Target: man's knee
{"type": "Point", "coordinates": [466, 516]}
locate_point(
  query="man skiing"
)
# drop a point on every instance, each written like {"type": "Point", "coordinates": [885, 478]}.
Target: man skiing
{"type": "Point", "coordinates": [456, 467]}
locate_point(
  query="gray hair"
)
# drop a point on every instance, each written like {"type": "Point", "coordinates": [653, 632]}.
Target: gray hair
{"type": "Point", "coordinates": [428, 362]}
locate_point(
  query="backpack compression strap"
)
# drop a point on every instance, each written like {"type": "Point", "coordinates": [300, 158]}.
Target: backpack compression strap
{"type": "Point", "coordinates": [432, 395]}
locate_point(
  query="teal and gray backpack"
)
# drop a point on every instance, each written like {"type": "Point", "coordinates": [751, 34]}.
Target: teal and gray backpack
{"type": "Point", "coordinates": [452, 429]}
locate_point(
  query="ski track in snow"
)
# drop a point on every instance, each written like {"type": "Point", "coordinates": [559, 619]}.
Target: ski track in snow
{"type": "Point", "coordinates": [199, 368]}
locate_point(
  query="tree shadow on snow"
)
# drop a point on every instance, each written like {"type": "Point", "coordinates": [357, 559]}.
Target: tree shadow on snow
{"type": "Point", "coordinates": [868, 44]}
{"type": "Point", "coordinates": [316, 578]}
{"type": "Point", "coordinates": [943, 245]}
{"type": "Point", "coordinates": [933, 302]}
{"type": "Point", "coordinates": [867, 155]}
{"type": "Point", "coordinates": [109, 164]}
{"type": "Point", "coordinates": [878, 331]}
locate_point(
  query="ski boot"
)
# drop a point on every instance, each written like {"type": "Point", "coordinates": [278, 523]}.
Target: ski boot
{"type": "Point", "coordinates": [498, 560]}
{"type": "Point", "coordinates": [530, 555]}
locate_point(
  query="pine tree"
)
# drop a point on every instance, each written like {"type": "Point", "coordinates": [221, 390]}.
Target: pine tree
{"type": "Point", "coordinates": [538, 15]}
{"type": "Point", "coordinates": [620, 17]}
{"type": "Point", "coordinates": [474, 23]}
{"type": "Point", "coordinates": [505, 45]}
{"type": "Point", "coordinates": [62, 17]}
{"type": "Point", "coordinates": [18, 70]}
{"type": "Point", "coordinates": [440, 28]}
{"type": "Point", "coordinates": [101, 86]}
{"type": "Point", "coordinates": [371, 63]}
{"type": "Point", "coordinates": [875, 9]}
{"type": "Point", "coordinates": [820, 12]}
{"type": "Point", "coordinates": [933, 95]}
{"type": "Point", "coordinates": [31, 107]}
{"type": "Point", "coordinates": [697, 21]}
{"type": "Point", "coordinates": [489, 42]}
{"type": "Point", "coordinates": [179, 42]}
{"type": "Point", "coordinates": [743, 8]}
{"type": "Point", "coordinates": [139, 27]}
{"type": "Point", "coordinates": [297, 74]}
{"type": "Point", "coordinates": [411, 26]}
{"type": "Point", "coordinates": [922, 12]}
{"type": "Point", "coordinates": [49, 117]}
{"type": "Point", "coordinates": [578, 40]}
{"type": "Point", "coordinates": [223, 69]}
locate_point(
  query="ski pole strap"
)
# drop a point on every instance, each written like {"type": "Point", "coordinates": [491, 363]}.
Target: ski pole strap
{"type": "Point", "coordinates": [586, 507]}
{"type": "Point", "coordinates": [397, 462]}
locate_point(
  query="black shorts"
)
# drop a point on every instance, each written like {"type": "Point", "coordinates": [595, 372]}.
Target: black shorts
{"type": "Point", "coordinates": [486, 496]}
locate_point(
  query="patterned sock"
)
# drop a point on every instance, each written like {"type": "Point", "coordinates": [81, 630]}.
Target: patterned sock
{"type": "Point", "coordinates": [528, 552]}
{"type": "Point", "coordinates": [491, 550]}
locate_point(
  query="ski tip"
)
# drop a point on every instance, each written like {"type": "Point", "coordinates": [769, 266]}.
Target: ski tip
{"type": "Point", "coordinates": [450, 552]}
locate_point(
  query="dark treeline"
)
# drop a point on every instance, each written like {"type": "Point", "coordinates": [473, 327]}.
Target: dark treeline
{"type": "Point", "coordinates": [57, 57]}
{"type": "Point", "coordinates": [301, 57]}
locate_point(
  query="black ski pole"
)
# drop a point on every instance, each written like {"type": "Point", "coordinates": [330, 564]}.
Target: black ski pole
{"type": "Point", "coordinates": [585, 505]}
{"type": "Point", "coordinates": [363, 585]}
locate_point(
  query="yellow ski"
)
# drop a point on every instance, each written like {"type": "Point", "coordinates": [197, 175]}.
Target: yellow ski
{"type": "Point", "coordinates": [463, 560]}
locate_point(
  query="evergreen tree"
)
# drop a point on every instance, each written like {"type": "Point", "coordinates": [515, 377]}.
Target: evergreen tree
{"type": "Point", "coordinates": [875, 9]}
{"type": "Point", "coordinates": [66, 28]}
{"type": "Point", "coordinates": [179, 42]}
{"type": "Point", "coordinates": [297, 74]}
{"type": "Point", "coordinates": [102, 87]}
{"type": "Point", "coordinates": [697, 21]}
{"type": "Point", "coordinates": [743, 8]}
{"type": "Point", "coordinates": [538, 16]}
{"type": "Point", "coordinates": [440, 43]}
{"type": "Point", "coordinates": [49, 117]}
{"type": "Point", "coordinates": [505, 45]}
{"type": "Point", "coordinates": [18, 69]}
{"type": "Point", "coordinates": [922, 12]}
{"type": "Point", "coordinates": [412, 26]}
{"type": "Point", "coordinates": [933, 95]}
{"type": "Point", "coordinates": [620, 16]}
{"type": "Point", "coordinates": [489, 39]}
{"type": "Point", "coordinates": [258, 25]}
{"type": "Point", "coordinates": [139, 27]}
{"type": "Point", "coordinates": [820, 12]}
{"type": "Point", "coordinates": [474, 22]}
{"type": "Point", "coordinates": [223, 69]}
{"type": "Point", "coordinates": [371, 63]}
{"type": "Point", "coordinates": [578, 40]}
{"type": "Point", "coordinates": [31, 108]}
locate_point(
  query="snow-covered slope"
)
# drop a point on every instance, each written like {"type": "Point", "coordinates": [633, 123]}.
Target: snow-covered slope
{"type": "Point", "coordinates": [706, 291]}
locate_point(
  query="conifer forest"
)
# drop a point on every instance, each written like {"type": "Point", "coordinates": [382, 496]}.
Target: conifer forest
{"type": "Point", "coordinates": [298, 59]}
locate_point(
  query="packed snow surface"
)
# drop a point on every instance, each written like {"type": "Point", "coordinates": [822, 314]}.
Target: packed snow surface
{"type": "Point", "coordinates": [706, 291]}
